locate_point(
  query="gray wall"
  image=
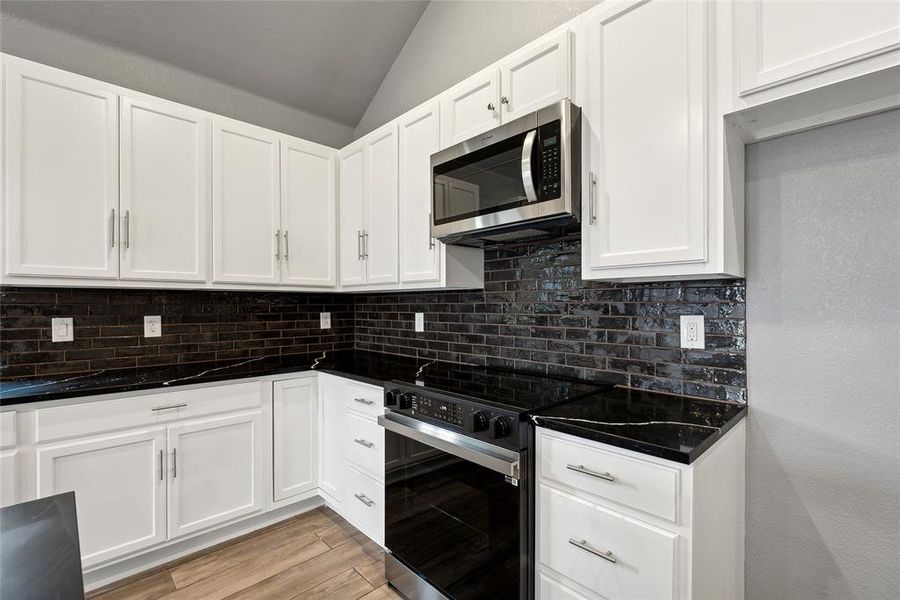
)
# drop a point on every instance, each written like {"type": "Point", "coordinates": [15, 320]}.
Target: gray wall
{"type": "Point", "coordinates": [79, 55]}
{"type": "Point", "coordinates": [823, 362]}
{"type": "Point", "coordinates": [453, 40]}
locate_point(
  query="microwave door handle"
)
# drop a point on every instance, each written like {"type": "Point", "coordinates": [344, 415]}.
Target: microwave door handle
{"type": "Point", "coordinates": [527, 175]}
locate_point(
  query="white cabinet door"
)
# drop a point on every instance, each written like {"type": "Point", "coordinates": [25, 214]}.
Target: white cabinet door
{"type": "Point", "coordinates": [536, 77]}
{"type": "Point", "coordinates": [333, 428]}
{"type": "Point", "coordinates": [420, 137]}
{"type": "Point", "coordinates": [295, 437]}
{"type": "Point", "coordinates": [9, 475]}
{"type": "Point", "coordinates": [645, 118]}
{"type": "Point", "coordinates": [61, 189]}
{"type": "Point", "coordinates": [380, 240]}
{"type": "Point", "coordinates": [216, 471]}
{"type": "Point", "coordinates": [470, 108]}
{"type": "Point", "coordinates": [245, 203]}
{"type": "Point", "coordinates": [120, 490]}
{"type": "Point", "coordinates": [164, 200]}
{"type": "Point", "coordinates": [308, 213]}
{"type": "Point", "coordinates": [351, 210]}
{"type": "Point", "coordinates": [779, 42]}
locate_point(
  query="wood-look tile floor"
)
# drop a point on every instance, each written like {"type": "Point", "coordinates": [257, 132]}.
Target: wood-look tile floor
{"type": "Point", "coordinates": [316, 555]}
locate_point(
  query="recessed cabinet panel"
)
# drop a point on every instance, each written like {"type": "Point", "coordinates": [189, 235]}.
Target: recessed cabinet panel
{"type": "Point", "coordinates": [470, 108]}
{"type": "Point", "coordinates": [296, 437]}
{"type": "Point", "coordinates": [165, 172]}
{"type": "Point", "coordinates": [120, 490]}
{"type": "Point", "coordinates": [380, 245]}
{"type": "Point", "coordinates": [333, 424]}
{"type": "Point", "coordinates": [61, 189]}
{"type": "Point", "coordinates": [645, 207]}
{"type": "Point", "coordinates": [536, 77]}
{"type": "Point", "coordinates": [420, 137]}
{"type": "Point", "coordinates": [245, 204]}
{"type": "Point", "coordinates": [308, 213]}
{"type": "Point", "coordinates": [351, 209]}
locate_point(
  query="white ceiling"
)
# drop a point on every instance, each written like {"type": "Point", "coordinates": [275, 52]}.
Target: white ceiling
{"type": "Point", "coordinates": [325, 57]}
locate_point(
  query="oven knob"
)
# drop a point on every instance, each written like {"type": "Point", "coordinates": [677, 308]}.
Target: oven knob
{"type": "Point", "coordinates": [405, 401]}
{"type": "Point", "coordinates": [390, 397]}
{"type": "Point", "coordinates": [499, 427]}
{"type": "Point", "coordinates": [480, 422]}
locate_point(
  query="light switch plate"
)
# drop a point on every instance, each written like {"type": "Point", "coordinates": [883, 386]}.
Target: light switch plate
{"type": "Point", "coordinates": [63, 329]}
{"type": "Point", "coordinates": [325, 320]}
{"type": "Point", "coordinates": [692, 331]}
{"type": "Point", "coordinates": [420, 321]}
{"type": "Point", "coordinates": [152, 326]}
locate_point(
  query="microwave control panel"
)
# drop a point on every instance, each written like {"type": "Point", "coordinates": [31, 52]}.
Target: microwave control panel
{"type": "Point", "coordinates": [551, 179]}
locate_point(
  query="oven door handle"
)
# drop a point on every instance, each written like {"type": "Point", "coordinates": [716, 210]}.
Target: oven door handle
{"type": "Point", "coordinates": [486, 455]}
{"type": "Point", "coordinates": [527, 175]}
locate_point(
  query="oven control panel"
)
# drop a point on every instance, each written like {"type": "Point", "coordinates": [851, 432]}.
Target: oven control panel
{"type": "Point", "coordinates": [476, 420]}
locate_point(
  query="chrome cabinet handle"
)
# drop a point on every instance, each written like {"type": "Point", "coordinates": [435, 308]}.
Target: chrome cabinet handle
{"type": "Point", "coordinates": [127, 229]}
{"type": "Point", "coordinates": [430, 237]}
{"type": "Point", "coordinates": [365, 244]}
{"type": "Point", "coordinates": [170, 407]}
{"type": "Point", "coordinates": [278, 245]}
{"type": "Point", "coordinates": [359, 253]}
{"type": "Point", "coordinates": [490, 106]}
{"type": "Point", "coordinates": [174, 462]}
{"type": "Point", "coordinates": [365, 500]}
{"type": "Point", "coordinates": [287, 246]}
{"type": "Point", "coordinates": [362, 442]}
{"type": "Point", "coordinates": [112, 228]}
{"type": "Point", "coordinates": [505, 100]}
{"type": "Point", "coordinates": [586, 471]}
{"type": "Point", "coordinates": [364, 401]}
{"type": "Point", "coordinates": [583, 545]}
{"type": "Point", "coordinates": [160, 465]}
{"type": "Point", "coordinates": [591, 197]}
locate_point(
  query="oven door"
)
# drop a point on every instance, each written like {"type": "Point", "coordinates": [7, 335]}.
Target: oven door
{"type": "Point", "coordinates": [454, 512]}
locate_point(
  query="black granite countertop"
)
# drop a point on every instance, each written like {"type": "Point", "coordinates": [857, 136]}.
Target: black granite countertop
{"type": "Point", "coordinates": [676, 428]}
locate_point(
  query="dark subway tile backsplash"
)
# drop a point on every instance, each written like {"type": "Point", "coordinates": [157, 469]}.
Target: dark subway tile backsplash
{"type": "Point", "coordinates": [535, 313]}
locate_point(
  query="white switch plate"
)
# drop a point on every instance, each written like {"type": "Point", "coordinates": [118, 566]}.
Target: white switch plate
{"type": "Point", "coordinates": [325, 320]}
{"type": "Point", "coordinates": [420, 321]}
{"type": "Point", "coordinates": [63, 329]}
{"type": "Point", "coordinates": [152, 326]}
{"type": "Point", "coordinates": [692, 331]}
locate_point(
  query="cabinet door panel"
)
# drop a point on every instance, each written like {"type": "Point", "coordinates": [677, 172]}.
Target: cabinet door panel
{"type": "Point", "coordinates": [308, 213]}
{"type": "Point", "coordinates": [536, 77]}
{"type": "Point", "coordinates": [165, 191]}
{"type": "Point", "coordinates": [353, 192]}
{"type": "Point", "coordinates": [420, 137]}
{"type": "Point", "coordinates": [649, 206]}
{"type": "Point", "coordinates": [61, 174]}
{"type": "Point", "coordinates": [216, 472]}
{"type": "Point", "coordinates": [245, 203]}
{"type": "Point", "coordinates": [296, 439]}
{"type": "Point", "coordinates": [9, 477]}
{"type": "Point", "coordinates": [333, 424]}
{"type": "Point", "coordinates": [380, 245]}
{"type": "Point", "coordinates": [120, 490]}
{"type": "Point", "coordinates": [466, 109]}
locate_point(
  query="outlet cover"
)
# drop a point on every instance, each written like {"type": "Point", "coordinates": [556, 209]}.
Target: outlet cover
{"type": "Point", "coordinates": [152, 326]}
{"type": "Point", "coordinates": [325, 320]}
{"type": "Point", "coordinates": [63, 330]}
{"type": "Point", "coordinates": [692, 331]}
{"type": "Point", "coordinates": [420, 321]}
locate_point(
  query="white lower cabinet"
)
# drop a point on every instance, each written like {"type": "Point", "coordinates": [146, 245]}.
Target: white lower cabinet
{"type": "Point", "coordinates": [9, 459]}
{"type": "Point", "coordinates": [295, 437]}
{"type": "Point", "coordinates": [120, 486]}
{"type": "Point", "coordinates": [331, 463]}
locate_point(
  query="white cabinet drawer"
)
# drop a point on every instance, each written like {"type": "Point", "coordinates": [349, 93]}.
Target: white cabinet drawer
{"type": "Point", "coordinates": [616, 556]}
{"type": "Point", "coordinates": [550, 589]}
{"type": "Point", "coordinates": [631, 482]}
{"type": "Point", "coordinates": [364, 445]}
{"type": "Point", "coordinates": [107, 415]}
{"type": "Point", "coordinates": [364, 500]}
{"type": "Point", "coordinates": [364, 399]}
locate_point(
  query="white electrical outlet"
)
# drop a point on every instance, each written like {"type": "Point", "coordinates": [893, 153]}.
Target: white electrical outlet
{"type": "Point", "coordinates": [63, 329]}
{"type": "Point", "coordinates": [420, 321]}
{"type": "Point", "coordinates": [692, 331]}
{"type": "Point", "coordinates": [325, 320]}
{"type": "Point", "coordinates": [152, 326]}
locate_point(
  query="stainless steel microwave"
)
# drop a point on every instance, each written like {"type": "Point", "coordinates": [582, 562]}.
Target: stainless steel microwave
{"type": "Point", "coordinates": [520, 180]}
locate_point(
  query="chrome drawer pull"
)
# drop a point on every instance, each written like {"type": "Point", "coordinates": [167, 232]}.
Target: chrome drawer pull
{"type": "Point", "coordinates": [160, 465]}
{"type": "Point", "coordinates": [362, 442]}
{"type": "Point", "coordinates": [364, 401]}
{"type": "Point", "coordinates": [586, 471]}
{"type": "Point", "coordinates": [582, 544]}
{"type": "Point", "coordinates": [170, 407]}
{"type": "Point", "coordinates": [174, 462]}
{"type": "Point", "coordinates": [362, 498]}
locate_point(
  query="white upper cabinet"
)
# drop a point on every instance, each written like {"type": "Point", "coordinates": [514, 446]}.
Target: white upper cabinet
{"type": "Point", "coordinates": [351, 209]}
{"type": "Point", "coordinates": [380, 238]}
{"type": "Point", "coordinates": [164, 202]}
{"type": "Point", "coordinates": [419, 138]}
{"type": "Point", "coordinates": [470, 108]}
{"type": "Point", "coordinates": [537, 76]}
{"type": "Point", "coordinates": [246, 237]}
{"type": "Point", "coordinates": [308, 213]}
{"type": "Point", "coordinates": [61, 189]}
{"type": "Point", "coordinates": [782, 42]}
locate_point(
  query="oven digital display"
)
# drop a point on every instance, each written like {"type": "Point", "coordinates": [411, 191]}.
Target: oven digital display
{"type": "Point", "coordinates": [448, 412]}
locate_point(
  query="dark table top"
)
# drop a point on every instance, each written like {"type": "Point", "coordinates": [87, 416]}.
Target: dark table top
{"type": "Point", "coordinates": [39, 552]}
